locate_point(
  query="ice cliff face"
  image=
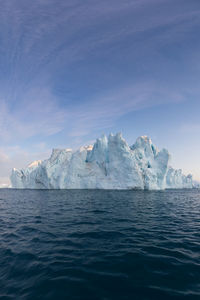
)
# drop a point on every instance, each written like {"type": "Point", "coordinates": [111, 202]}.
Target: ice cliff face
{"type": "Point", "coordinates": [109, 164]}
{"type": "Point", "coordinates": [176, 179]}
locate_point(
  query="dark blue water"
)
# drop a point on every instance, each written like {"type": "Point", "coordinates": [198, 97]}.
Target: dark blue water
{"type": "Point", "coordinates": [99, 244]}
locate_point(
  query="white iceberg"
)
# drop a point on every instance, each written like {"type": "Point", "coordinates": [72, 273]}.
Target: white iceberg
{"type": "Point", "coordinates": [109, 164]}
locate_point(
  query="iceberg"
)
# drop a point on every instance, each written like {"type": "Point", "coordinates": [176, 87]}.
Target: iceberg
{"type": "Point", "coordinates": [108, 164]}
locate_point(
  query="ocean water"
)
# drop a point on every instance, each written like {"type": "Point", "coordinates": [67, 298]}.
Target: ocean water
{"type": "Point", "coordinates": [93, 244]}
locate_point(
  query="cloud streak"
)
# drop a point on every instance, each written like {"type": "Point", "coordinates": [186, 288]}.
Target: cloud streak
{"type": "Point", "coordinates": [40, 115]}
{"type": "Point", "coordinates": [44, 36]}
{"type": "Point", "coordinates": [103, 112]}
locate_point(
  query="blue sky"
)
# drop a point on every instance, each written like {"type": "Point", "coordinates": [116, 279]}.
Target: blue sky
{"type": "Point", "coordinates": [72, 70]}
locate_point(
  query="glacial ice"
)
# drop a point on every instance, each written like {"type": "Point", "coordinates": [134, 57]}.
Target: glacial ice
{"type": "Point", "coordinates": [109, 164]}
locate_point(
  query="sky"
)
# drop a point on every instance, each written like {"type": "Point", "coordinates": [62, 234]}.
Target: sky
{"type": "Point", "coordinates": [73, 70]}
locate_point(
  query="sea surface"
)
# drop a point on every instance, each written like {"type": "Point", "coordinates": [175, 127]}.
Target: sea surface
{"type": "Point", "coordinates": [97, 244]}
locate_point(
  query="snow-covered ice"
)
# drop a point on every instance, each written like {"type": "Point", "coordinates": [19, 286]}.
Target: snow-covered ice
{"type": "Point", "coordinates": [109, 164]}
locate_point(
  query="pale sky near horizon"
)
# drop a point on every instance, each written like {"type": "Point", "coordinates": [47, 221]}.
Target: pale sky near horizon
{"type": "Point", "coordinates": [72, 70]}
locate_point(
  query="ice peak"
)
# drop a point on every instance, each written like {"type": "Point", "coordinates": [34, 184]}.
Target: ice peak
{"type": "Point", "coordinates": [86, 148]}
{"type": "Point", "coordinates": [34, 164]}
{"type": "Point", "coordinates": [143, 140]}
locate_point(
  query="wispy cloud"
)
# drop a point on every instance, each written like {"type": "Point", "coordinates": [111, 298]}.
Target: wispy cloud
{"type": "Point", "coordinates": [38, 115]}
{"type": "Point", "coordinates": [44, 36]}
{"type": "Point", "coordinates": [103, 111]}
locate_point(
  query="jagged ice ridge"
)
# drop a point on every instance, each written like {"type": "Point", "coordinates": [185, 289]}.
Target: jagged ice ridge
{"type": "Point", "coordinates": [109, 164]}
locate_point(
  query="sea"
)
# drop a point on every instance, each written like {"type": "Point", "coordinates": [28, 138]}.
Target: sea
{"type": "Point", "coordinates": [99, 244]}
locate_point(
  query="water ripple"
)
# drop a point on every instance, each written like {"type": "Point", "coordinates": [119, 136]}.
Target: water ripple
{"type": "Point", "coordinates": [99, 245]}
